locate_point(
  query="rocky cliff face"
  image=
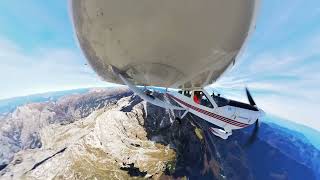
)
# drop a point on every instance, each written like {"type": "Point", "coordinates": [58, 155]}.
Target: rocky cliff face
{"type": "Point", "coordinates": [111, 133]}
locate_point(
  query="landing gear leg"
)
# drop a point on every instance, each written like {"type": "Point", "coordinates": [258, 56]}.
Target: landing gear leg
{"type": "Point", "coordinates": [146, 96]}
{"type": "Point", "coordinates": [183, 115]}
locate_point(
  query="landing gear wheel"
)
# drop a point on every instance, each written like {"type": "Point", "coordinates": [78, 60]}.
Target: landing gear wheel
{"type": "Point", "coordinates": [178, 119]}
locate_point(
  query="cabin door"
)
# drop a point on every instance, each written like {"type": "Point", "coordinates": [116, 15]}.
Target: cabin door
{"type": "Point", "coordinates": [230, 112]}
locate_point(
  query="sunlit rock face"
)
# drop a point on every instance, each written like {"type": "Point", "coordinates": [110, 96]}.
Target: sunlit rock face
{"type": "Point", "coordinates": [81, 137]}
{"type": "Point", "coordinates": [21, 129]}
{"type": "Point", "coordinates": [113, 134]}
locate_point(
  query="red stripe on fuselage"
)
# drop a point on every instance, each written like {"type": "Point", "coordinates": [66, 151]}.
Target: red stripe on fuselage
{"type": "Point", "coordinates": [216, 116]}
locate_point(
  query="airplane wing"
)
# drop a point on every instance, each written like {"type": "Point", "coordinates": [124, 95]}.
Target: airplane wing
{"type": "Point", "coordinates": [179, 44]}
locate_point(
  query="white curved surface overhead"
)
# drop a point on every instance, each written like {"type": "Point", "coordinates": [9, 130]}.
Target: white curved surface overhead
{"type": "Point", "coordinates": [168, 43]}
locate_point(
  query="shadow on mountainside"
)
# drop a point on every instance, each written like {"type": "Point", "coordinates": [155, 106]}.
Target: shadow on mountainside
{"type": "Point", "coordinates": [212, 157]}
{"type": "Point", "coordinates": [199, 154]}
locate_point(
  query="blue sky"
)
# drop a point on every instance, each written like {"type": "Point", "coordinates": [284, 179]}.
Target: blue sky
{"type": "Point", "coordinates": [38, 52]}
{"type": "Point", "coordinates": [280, 64]}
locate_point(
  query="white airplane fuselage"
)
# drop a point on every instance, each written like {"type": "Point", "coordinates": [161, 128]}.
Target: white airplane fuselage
{"type": "Point", "coordinates": [226, 117]}
{"type": "Point", "coordinates": [224, 113]}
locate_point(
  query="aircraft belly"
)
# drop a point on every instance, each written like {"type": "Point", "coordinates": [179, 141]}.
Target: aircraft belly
{"type": "Point", "coordinates": [181, 43]}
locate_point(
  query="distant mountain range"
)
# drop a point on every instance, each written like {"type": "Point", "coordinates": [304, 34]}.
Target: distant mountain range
{"type": "Point", "coordinates": [9, 105]}
{"type": "Point", "coordinates": [289, 142]}
{"type": "Point", "coordinates": [284, 150]}
{"type": "Point", "coordinates": [311, 135]}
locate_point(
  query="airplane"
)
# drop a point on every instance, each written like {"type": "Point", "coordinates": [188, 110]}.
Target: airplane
{"type": "Point", "coordinates": [184, 45]}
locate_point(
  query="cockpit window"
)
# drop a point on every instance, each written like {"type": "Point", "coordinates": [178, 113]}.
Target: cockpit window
{"type": "Point", "coordinates": [197, 96]}
{"type": "Point", "coordinates": [205, 101]}
{"type": "Point", "coordinates": [220, 101]}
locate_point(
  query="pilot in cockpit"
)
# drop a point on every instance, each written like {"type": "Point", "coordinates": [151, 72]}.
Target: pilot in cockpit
{"type": "Point", "coordinates": [197, 97]}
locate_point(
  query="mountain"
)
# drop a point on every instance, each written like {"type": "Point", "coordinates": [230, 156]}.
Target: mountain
{"type": "Point", "coordinates": [311, 135]}
{"type": "Point", "coordinates": [8, 105]}
{"type": "Point", "coordinates": [293, 144]}
{"type": "Point", "coordinates": [113, 134]}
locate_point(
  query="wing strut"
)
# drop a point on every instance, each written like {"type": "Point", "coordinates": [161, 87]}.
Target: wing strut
{"type": "Point", "coordinates": [149, 98]}
{"type": "Point", "coordinates": [184, 114]}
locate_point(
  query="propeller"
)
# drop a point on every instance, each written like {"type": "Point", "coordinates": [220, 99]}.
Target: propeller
{"type": "Point", "coordinates": [254, 134]}
{"type": "Point", "coordinates": [250, 99]}
{"type": "Point", "coordinates": [255, 131]}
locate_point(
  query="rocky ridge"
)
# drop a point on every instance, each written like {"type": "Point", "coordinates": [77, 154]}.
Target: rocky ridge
{"type": "Point", "coordinates": [111, 133]}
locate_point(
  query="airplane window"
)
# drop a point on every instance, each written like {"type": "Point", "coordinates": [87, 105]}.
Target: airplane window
{"type": "Point", "coordinates": [205, 101]}
{"type": "Point", "coordinates": [187, 93]}
{"type": "Point", "coordinates": [197, 97]}
{"type": "Point", "coordinates": [220, 101]}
